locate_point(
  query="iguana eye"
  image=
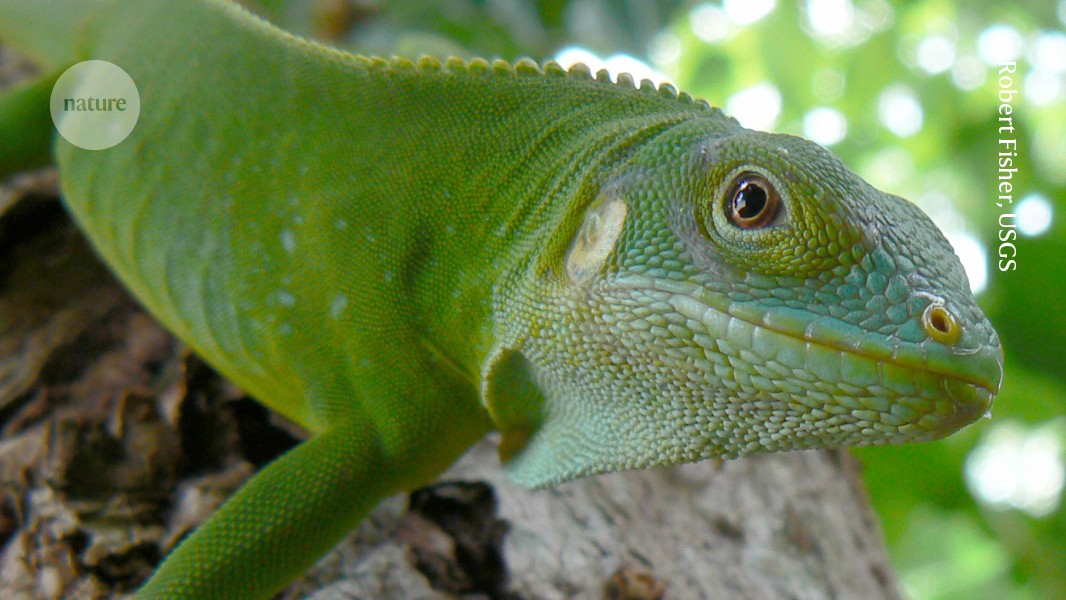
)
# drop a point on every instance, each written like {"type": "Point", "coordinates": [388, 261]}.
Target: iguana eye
{"type": "Point", "coordinates": [752, 202]}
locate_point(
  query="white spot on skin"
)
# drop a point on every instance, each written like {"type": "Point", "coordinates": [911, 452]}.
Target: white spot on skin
{"type": "Point", "coordinates": [285, 329]}
{"type": "Point", "coordinates": [340, 224]}
{"type": "Point", "coordinates": [288, 241]}
{"type": "Point", "coordinates": [596, 239]}
{"type": "Point", "coordinates": [336, 308]}
{"type": "Point", "coordinates": [286, 299]}
{"type": "Point", "coordinates": [388, 276]}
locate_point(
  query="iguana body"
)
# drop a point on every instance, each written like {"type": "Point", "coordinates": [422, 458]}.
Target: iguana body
{"type": "Point", "coordinates": [401, 257]}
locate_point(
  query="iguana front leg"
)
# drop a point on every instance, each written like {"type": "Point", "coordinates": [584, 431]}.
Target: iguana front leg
{"type": "Point", "coordinates": [289, 514]}
{"type": "Point", "coordinates": [297, 508]}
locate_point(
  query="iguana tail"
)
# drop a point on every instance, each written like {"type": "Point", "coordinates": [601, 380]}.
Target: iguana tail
{"type": "Point", "coordinates": [26, 130]}
{"type": "Point", "coordinates": [45, 31]}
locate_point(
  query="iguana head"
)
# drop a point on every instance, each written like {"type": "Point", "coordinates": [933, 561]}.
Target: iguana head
{"type": "Point", "coordinates": [726, 292]}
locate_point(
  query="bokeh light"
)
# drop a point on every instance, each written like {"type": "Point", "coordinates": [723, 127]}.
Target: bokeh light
{"type": "Point", "coordinates": [900, 111]}
{"type": "Point", "coordinates": [972, 255]}
{"type": "Point", "coordinates": [746, 12]}
{"type": "Point", "coordinates": [756, 107]}
{"type": "Point", "coordinates": [710, 23]}
{"type": "Point", "coordinates": [1034, 215]}
{"type": "Point", "coordinates": [936, 53]}
{"type": "Point", "coordinates": [1019, 467]}
{"type": "Point", "coordinates": [616, 64]}
{"type": "Point", "coordinates": [824, 125]}
{"type": "Point", "coordinates": [999, 43]}
{"type": "Point", "coordinates": [830, 18]}
{"type": "Point", "coordinates": [968, 73]}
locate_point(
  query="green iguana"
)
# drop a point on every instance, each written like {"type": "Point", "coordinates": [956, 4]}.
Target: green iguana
{"type": "Point", "coordinates": [401, 256]}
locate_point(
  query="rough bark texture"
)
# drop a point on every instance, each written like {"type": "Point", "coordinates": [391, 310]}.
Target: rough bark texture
{"type": "Point", "coordinates": [786, 526]}
{"type": "Point", "coordinates": [115, 442]}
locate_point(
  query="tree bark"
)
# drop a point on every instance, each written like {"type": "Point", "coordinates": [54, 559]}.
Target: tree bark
{"type": "Point", "coordinates": [795, 526]}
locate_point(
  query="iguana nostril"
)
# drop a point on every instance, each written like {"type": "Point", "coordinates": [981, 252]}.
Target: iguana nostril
{"type": "Point", "coordinates": [941, 325]}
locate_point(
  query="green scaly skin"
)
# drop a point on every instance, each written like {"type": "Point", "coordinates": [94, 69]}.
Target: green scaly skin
{"type": "Point", "coordinates": [401, 257]}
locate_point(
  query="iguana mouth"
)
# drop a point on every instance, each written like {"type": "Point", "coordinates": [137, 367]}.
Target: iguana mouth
{"type": "Point", "coordinates": [955, 386]}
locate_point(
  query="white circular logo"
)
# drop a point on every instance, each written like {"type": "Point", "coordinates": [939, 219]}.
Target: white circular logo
{"type": "Point", "coordinates": [95, 105]}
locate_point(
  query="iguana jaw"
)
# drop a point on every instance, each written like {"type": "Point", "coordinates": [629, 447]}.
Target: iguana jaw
{"type": "Point", "coordinates": [925, 390]}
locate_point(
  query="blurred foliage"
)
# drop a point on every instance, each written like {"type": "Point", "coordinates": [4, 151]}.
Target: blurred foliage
{"type": "Point", "coordinates": [507, 29]}
{"type": "Point", "coordinates": [946, 542]}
